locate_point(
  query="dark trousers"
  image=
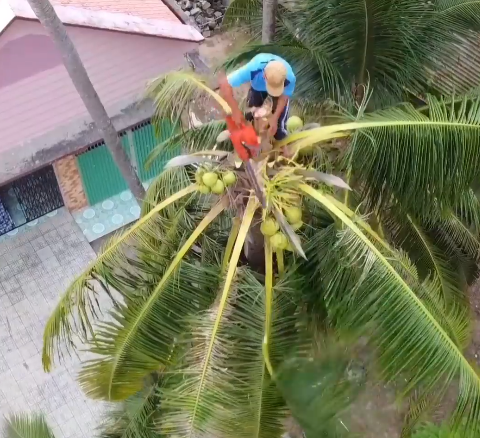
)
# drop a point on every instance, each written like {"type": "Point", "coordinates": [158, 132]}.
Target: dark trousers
{"type": "Point", "coordinates": [257, 98]}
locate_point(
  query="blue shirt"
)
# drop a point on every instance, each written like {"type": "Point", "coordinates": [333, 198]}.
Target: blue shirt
{"type": "Point", "coordinates": [253, 73]}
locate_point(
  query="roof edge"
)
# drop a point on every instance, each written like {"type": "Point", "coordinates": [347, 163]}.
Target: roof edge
{"type": "Point", "coordinates": [6, 15]}
{"type": "Point", "coordinates": [109, 21]}
{"type": "Point", "coordinates": [177, 11]}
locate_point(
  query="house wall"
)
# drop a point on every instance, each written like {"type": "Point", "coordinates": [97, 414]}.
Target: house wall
{"type": "Point", "coordinates": [36, 94]}
{"type": "Point", "coordinates": [70, 183]}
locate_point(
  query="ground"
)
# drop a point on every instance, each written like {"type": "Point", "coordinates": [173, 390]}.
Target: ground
{"type": "Point", "coordinates": [36, 265]}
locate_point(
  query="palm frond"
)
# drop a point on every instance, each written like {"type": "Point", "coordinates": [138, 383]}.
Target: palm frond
{"type": "Point", "coordinates": [234, 395]}
{"type": "Point", "coordinates": [225, 387]}
{"type": "Point", "coordinates": [140, 337]}
{"type": "Point", "coordinates": [78, 306]}
{"type": "Point", "coordinates": [430, 430]}
{"type": "Point", "coordinates": [410, 235]}
{"type": "Point", "coordinates": [432, 159]}
{"type": "Point", "coordinates": [27, 426]}
{"type": "Point", "coordinates": [191, 140]}
{"type": "Point", "coordinates": [169, 182]}
{"type": "Point", "coordinates": [393, 47]}
{"type": "Point", "coordinates": [134, 418]}
{"type": "Point", "coordinates": [319, 391]}
{"type": "Point", "coordinates": [403, 317]}
{"type": "Point", "coordinates": [173, 92]}
{"type": "Point", "coordinates": [245, 13]}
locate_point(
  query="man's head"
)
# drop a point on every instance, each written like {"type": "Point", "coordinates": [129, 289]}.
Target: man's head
{"type": "Point", "coordinates": [275, 74]}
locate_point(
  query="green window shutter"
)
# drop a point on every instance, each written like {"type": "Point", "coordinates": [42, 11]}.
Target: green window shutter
{"type": "Point", "coordinates": [100, 176]}
{"type": "Point", "coordinates": [145, 142]}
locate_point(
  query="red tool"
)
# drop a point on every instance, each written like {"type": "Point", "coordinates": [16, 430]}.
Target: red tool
{"type": "Point", "coordinates": [244, 139]}
{"type": "Point", "coordinates": [246, 144]}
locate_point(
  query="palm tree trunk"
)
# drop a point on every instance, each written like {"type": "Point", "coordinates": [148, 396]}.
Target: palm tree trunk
{"type": "Point", "coordinates": [269, 20]}
{"type": "Point", "coordinates": [79, 76]}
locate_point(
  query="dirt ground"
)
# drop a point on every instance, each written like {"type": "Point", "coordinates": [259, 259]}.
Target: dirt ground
{"type": "Point", "coordinates": [214, 50]}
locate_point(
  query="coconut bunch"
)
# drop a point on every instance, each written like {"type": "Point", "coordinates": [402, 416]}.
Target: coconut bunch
{"type": "Point", "coordinates": [214, 180]}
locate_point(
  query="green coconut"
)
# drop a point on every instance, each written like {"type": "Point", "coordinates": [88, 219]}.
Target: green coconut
{"type": "Point", "coordinates": [293, 214]}
{"type": "Point", "coordinates": [229, 178]}
{"type": "Point", "coordinates": [210, 179]}
{"type": "Point", "coordinates": [269, 227]}
{"type": "Point", "coordinates": [219, 187]}
{"type": "Point", "coordinates": [199, 174]}
{"type": "Point", "coordinates": [294, 123]}
{"type": "Point", "coordinates": [297, 225]}
{"type": "Point", "coordinates": [279, 241]}
{"type": "Point", "coordinates": [204, 189]}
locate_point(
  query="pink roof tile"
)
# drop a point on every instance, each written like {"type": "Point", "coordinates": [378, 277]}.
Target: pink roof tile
{"type": "Point", "coordinates": [150, 9]}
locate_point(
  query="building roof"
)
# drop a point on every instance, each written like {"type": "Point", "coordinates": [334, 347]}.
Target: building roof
{"type": "Point", "coordinates": [117, 15]}
{"type": "Point", "coordinates": [150, 9]}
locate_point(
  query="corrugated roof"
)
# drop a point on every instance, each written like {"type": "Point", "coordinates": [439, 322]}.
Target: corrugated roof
{"type": "Point", "coordinates": [101, 16]}
{"type": "Point", "coordinates": [152, 9]}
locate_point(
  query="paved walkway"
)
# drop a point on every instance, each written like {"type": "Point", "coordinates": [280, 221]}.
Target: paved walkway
{"type": "Point", "coordinates": [36, 265]}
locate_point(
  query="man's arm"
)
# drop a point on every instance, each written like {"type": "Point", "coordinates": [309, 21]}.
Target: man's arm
{"type": "Point", "coordinates": [281, 104]}
{"type": "Point", "coordinates": [273, 122]}
{"type": "Point", "coordinates": [226, 91]}
{"type": "Point", "coordinates": [227, 83]}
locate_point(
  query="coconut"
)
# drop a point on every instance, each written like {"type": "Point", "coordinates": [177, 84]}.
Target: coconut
{"type": "Point", "coordinates": [293, 214]}
{"type": "Point", "coordinates": [297, 225]}
{"type": "Point", "coordinates": [294, 123]}
{"type": "Point", "coordinates": [219, 187]}
{"type": "Point", "coordinates": [199, 174]}
{"type": "Point", "coordinates": [229, 178]}
{"type": "Point", "coordinates": [279, 241]}
{"type": "Point", "coordinates": [210, 179]}
{"type": "Point", "coordinates": [204, 189]}
{"type": "Point", "coordinates": [269, 227]}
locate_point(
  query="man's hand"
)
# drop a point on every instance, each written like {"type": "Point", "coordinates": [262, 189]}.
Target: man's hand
{"type": "Point", "coordinates": [237, 116]}
{"type": "Point", "coordinates": [273, 124]}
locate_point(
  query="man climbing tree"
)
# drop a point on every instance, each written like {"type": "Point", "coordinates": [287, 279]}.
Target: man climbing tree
{"type": "Point", "coordinates": [269, 75]}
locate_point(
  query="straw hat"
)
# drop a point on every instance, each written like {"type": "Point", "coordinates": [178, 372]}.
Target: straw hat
{"type": "Point", "coordinates": [275, 74]}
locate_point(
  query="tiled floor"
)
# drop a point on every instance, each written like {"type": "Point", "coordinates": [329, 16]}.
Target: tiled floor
{"type": "Point", "coordinates": [36, 265]}
{"type": "Point", "coordinates": [101, 219]}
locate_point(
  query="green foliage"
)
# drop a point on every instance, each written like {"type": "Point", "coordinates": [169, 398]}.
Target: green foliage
{"type": "Point", "coordinates": [27, 426]}
{"type": "Point", "coordinates": [136, 417]}
{"type": "Point", "coordinates": [336, 45]}
{"type": "Point", "coordinates": [434, 431]}
{"type": "Point", "coordinates": [233, 336]}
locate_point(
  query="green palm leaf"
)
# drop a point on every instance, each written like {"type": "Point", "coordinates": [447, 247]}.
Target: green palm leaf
{"type": "Point", "coordinates": [192, 140]}
{"type": "Point", "coordinates": [431, 159]}
{"type": "Point", "coordinates": [135, 417]}
{"type": "Point", "coordinates": [173, 92]}
{"type": "Point", "coordinates": [319, 391]}
{"type": "Point", "coordinates": [140, 337]}
{"type": "Point", "coordinates": [406, 330]}
{"type": "Point", "coordinates": [391, 46]}
{"type": "Point", "coordinates": [27, 426]}
{"type": "Point", "coordinates": [78, 307]}
{"type": "Point", "coordinates": [409, 234]}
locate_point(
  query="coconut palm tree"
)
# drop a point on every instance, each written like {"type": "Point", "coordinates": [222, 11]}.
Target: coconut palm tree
{"type": "Point", "coordinates": [337, 47]}
{"type": "Point", "coordinates": [367, 226]}
{"type": "Point", "coordinates": [269, 20]}
{"type": "Point", "coordinates": [46, 14]}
